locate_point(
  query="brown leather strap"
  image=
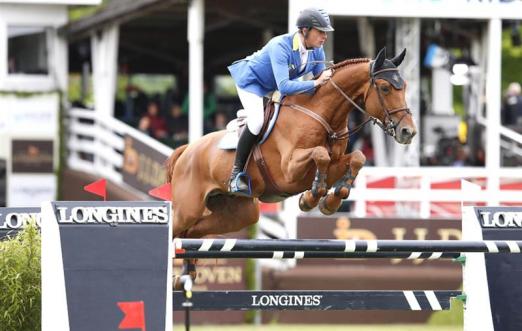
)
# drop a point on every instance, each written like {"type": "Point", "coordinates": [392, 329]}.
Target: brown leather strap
{"type": "Point", "coordinates": [270, 185]}
{"type": "Point", "coordinates": [313, 115]}
{"type": "Point", "coordinates": [332, 135]}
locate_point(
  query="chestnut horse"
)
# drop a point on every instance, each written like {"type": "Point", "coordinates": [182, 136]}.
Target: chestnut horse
{"type": "Point", "coordinates": [304, 153]}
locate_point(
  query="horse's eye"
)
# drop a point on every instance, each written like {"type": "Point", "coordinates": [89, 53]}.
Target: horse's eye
{"type": "Point", "coordinates": [385, 89]}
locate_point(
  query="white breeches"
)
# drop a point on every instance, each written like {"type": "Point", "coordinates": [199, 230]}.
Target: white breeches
{"type": "Point", "coordinates": [253, 105]}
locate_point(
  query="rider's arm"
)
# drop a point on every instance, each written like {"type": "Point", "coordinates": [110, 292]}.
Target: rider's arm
{"type": "Point", "coordinates": [280, 59]}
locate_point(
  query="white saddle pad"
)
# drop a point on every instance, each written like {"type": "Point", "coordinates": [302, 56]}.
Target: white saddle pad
{"type": "Point", "coordinates": [231, 137]}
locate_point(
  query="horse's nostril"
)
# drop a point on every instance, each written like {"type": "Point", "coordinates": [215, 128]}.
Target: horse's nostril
{"type": "Point", "coordinates": [406, 132]}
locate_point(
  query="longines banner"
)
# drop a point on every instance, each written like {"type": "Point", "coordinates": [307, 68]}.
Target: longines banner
{"type": "Point", "coordinates": [32, 156]}
{"type": "Point", "coordinates": [105, 264]}
{"type": "Point", "coordinates": [143, 166]}
{"type": "Point", "coordinates": [13, 220]}
{"type": "Point", "coordinates": [377, 228]}
{"type": "Point", "coordinates": [503, 270]}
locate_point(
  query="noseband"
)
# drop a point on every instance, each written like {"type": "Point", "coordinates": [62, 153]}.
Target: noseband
{"type": "Point", "coordinates": [389, 126]}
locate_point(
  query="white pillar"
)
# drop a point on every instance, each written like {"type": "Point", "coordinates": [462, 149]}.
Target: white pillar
{"type": "Point", "coordinates": [195, 36]}
{"type": "Point", "coordinates": [493, 97]}
{"type": "Point", "coordinates": [294, 7]}
{"type": "Point", "coordinates": [104, 51]}
{"type": "Point", "coordinates": [407, 36]}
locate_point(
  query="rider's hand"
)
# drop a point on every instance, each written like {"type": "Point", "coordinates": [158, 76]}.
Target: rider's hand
{"type": "Point", "coordinates": [323, 78]}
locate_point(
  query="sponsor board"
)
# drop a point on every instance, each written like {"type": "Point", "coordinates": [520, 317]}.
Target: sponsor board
{"type": "Point", "coordinates": [38, 112]}
{"type": "Point", "coordinates": [28, 190]}
{"type": "Point", "coordinates": [13, 220]}
{"type": "Point", "coordinates": [127, 213]}
{"type": "Point", "coordinates": [32, 156]}
{"type": "Point", "coordinates": [143, 166]}
{"type": "Point", "coordinates": [286, 300]}
{"type": "Point", "coordinates": [501, 217]}
{"type": "Point", "coordinates": [101, 263]}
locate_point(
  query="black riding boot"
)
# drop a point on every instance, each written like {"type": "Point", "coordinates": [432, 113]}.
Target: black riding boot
{"type": "Point", "coordinates": [239, 183]}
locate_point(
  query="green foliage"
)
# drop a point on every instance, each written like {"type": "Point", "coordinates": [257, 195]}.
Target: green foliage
{"type": "Point", "coordinates": [20, 304]}
{"type": "Point", "coordinates": [75, 87]}
{"type": "Point", "coordinates": [79, 12]}
{"type": "Point", "coordinates": [454, 316]}
{"type": "Point", "coordinates": [511, 60]}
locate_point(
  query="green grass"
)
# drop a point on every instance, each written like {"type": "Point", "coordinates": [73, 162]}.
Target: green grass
{"type": "Point", "coordinates": [20, 305]}
{"type": "Point", "coordinates": [329, 327]}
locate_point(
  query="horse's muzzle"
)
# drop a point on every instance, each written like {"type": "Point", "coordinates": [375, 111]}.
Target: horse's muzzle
{"type": "Point", "coordinates": [405, 135]}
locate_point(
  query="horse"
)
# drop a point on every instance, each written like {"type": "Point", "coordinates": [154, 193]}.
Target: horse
{"type": "Point", "coordinates": [304, 154]}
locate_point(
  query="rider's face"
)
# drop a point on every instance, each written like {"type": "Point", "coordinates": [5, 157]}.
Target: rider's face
{"type": "Point", "coordinates": [315, 38]}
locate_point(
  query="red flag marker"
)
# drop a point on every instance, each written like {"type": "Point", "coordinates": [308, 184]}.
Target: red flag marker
{"type": "Point", "coordinates": [99, 188]}
{"type": "Point", "coordinates": [134, 315]}
{"type": "Point", "coordinates": [162, 192]}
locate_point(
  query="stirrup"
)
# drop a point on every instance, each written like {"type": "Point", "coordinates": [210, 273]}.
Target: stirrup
{"type": "Point", "coordinates": [234, 185]}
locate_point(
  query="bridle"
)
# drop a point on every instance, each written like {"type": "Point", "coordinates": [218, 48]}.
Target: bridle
{"type": "Point", "coordinates": [389, 126]}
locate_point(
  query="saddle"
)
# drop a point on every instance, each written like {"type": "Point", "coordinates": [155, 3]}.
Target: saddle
{"type": "Point", "coordinates": [234, 130]}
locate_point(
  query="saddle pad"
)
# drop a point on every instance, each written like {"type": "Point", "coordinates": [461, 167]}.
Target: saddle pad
{"type": "Point", "coordinates": [231, 138]}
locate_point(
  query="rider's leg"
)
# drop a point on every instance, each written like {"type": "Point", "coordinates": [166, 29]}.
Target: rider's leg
{"type": "Point", "coordinates": [253, 104]}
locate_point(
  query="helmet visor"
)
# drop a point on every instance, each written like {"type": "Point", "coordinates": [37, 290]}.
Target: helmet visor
{"type": "Point", "coordinates": [328, 28]}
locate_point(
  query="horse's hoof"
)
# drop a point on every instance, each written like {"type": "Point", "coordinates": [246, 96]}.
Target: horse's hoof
{"type": "Point", "coordinates": [303, 205]}
{"type": "Point", "coordinates": [319, 191]}
{"type": "Point", "coordinates": [324, 209]}
{"type": "Point", "coordinates": [342, 192]}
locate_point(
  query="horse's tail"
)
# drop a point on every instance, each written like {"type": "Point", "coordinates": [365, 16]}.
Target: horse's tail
{"type": "Point", "coordinates": [171, 161]}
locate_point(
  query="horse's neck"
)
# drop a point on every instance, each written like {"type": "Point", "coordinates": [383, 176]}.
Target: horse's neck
{"type": "Point", "coordinates": [328, 101]}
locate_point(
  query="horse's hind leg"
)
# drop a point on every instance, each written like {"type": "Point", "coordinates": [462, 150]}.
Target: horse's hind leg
{"type": "Point", "coordinates": [183, 218]}
{"type": "Point", "coordinates": [353, 162]}
{"type": "Point", "coordinates": [229, 214]}
{"type": "Point", "coordinates": [189, 268]}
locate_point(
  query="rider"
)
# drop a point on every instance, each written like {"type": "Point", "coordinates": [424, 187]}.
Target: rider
{"type": "Point", "coordinates": [277, 65]}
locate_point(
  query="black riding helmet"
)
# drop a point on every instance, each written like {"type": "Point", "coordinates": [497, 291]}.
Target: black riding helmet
{"type": "Point", "coordinates": [314, 18]}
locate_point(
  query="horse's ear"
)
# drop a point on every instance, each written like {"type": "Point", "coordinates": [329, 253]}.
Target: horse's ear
{"type": "Point", "coordinates": [379, 59]}
{"type": "Point", "coordinates": [399, 58]}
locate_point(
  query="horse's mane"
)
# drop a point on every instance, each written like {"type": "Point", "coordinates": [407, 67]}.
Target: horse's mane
{"type": "Point", "coordinates": [345, 63]}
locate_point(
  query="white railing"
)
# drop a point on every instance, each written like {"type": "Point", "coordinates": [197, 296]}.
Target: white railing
{"type": "Point", "coordinates": [415, 185]}
{"type": "Point", "coordinates": [96, 144]}
{"type": "Point", "coordinates": [511, 141]}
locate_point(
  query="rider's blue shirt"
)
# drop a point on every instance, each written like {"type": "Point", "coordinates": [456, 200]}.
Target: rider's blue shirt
{"type": "Point", "coordinates": [276, 66]}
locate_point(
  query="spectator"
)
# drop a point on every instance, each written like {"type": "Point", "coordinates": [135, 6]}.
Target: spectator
{"type": "Point", "coordinates": [512, 107]}
{"type": "Point", "coordinates": [152, 122]}
{"type": "Point", "coordinates": [177, 123]}
{"type": "Point", "coordinates": [220, 121]}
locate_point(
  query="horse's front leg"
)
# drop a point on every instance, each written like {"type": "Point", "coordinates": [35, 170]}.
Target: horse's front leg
{"type": "Point", "coordinates": [297, 165]}
{"type": "Point", "coordinates": [352, 163]}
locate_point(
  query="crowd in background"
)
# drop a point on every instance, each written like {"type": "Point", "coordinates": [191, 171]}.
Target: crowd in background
{"type": "Point", "coordinates": [512, 107]}
{"type": "Point", "coordinates": [165, 116]}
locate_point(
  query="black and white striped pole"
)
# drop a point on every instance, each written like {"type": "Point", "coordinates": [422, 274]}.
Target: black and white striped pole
{"type": "Point", "coordinates": [347, 246]}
